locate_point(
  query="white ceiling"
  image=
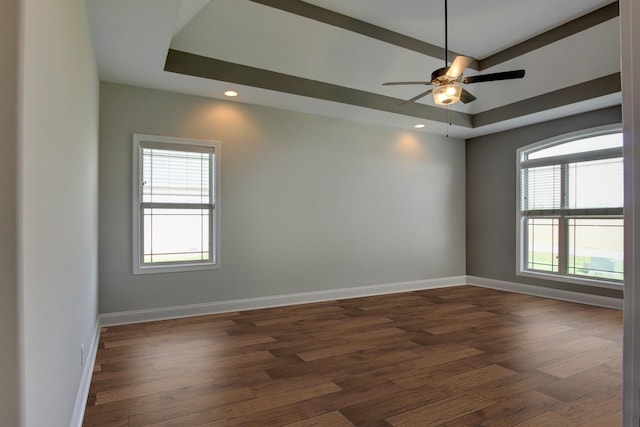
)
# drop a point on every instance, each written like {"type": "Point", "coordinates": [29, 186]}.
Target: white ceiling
{"type": "Point", "coordinates": [500, 23]}
{"type": "Point", "coordinates": [131, 39]}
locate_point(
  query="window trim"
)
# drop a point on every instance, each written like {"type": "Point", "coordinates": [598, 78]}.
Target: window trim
{"type": "Point", "coordinates": [137, 206]}
{"type": "Point", "coordinates": [521, 242]}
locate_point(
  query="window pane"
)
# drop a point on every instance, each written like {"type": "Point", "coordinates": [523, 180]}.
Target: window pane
{"type": "Point", "coordinates": [596, 184]}
{"type": "Point", "coordinates": [541, 188]}
{"type": "Point", "coordinates": [596, 248]}
{"type": "Point", "coordinates": [601, 142]}
{"type": "Point", "coordinates": [176, 235]}
{"type": "Point", "coordinates": [175, 176]}
{"type": "Point", "coordinates": [542, 244]}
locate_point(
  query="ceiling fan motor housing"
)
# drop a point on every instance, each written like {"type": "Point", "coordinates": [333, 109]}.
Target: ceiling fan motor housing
{"type": "Point", "coordinates": [439, 76]}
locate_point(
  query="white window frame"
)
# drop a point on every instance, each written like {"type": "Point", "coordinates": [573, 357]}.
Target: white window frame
{"type": "Point", "coordinates": [214, 230]}
{"type": "Point", "coordinates": [521, 243]}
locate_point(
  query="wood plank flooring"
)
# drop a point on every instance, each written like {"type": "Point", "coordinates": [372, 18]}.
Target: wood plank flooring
{"type": "Point", "coordinates": [461, 356]}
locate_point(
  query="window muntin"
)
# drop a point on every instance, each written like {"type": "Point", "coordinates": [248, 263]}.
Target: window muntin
{"type": "Point", "coordinates": [175, 209]}
{"type": "Point", "coordinates": [570, 208]}
{"type": "Point", "coordinates": [542, 250]}
{"type": "Point", "coordinates": [596, 247]}
{"type": "Point", "coordinates": [176, 235]}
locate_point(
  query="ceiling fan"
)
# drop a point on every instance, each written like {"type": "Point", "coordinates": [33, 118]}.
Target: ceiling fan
{"type": "Point", "coordinates": [447, 80]}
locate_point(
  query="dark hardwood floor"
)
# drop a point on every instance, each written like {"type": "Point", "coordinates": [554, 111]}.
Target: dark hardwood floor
{"type": "Point", "coordinates": [461, 356]}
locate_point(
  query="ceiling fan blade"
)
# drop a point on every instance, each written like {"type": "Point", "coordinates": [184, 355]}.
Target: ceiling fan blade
{"type": "Point", "coordinates": [415, 98]}
{"type": "Point", "coordinates": [466, 97]}
{"type": "Point", "coordinates": [506, 75]}
{"type": "Point", "coordinates": [458, 66]}
{"type": "Point", "coordinates": [405, 83]}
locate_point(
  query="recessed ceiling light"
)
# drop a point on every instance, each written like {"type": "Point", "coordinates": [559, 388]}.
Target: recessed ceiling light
{"type": "Point", "coordinates": [231, 93]}
{"type": "Point", "coordinates": [418, 126]}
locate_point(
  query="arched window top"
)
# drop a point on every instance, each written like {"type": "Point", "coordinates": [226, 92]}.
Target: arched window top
{"type": "Point", "coordinates": [576, 146]}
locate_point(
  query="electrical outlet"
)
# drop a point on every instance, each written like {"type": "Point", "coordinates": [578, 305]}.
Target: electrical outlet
{"type": "Point", "coordinates": [82, 354]}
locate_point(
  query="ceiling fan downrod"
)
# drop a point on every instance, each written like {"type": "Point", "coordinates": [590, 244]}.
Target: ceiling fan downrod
{"type": "Point", "coordinates": [446, 36]}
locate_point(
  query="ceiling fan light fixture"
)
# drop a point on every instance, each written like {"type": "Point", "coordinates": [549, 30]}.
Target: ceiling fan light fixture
{"type": "Point", "coordinates": [447, 91]}
{"type": "Point", "coordinates": [447, 94]}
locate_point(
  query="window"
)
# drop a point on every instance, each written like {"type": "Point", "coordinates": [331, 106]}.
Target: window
{"type": "Point", "coordinates": [175, 209]}
{"type": "Point", "coordinates": [570, 209]}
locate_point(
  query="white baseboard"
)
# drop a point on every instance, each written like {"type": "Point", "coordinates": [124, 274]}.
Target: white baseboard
{"type": "Point", "coordinates": [578, 297]}
{"type": "Point", "coordinates": [175, 312]}
{"type": "Point", "coordinates": [85, 380]}
{"type": "Point", "coordinates": [137, 316]}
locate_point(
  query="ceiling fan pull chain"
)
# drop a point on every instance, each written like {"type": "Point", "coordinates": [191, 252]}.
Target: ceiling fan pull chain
{"type": "Point", "coordinates": [448, 124]}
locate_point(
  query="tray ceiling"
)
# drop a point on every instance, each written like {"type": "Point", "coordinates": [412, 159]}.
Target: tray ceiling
{"type": "Point", "coordinates": [330, 57]}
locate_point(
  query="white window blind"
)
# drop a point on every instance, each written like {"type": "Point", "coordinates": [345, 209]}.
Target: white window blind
{"type": "Point", "coordinates": [541, 188]}
{"type": "Point", "coordinates": [580, 185]}
{"type": "Point", "coordinates": [171, 176]}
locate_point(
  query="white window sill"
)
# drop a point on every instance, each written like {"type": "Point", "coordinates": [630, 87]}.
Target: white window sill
{"type": "Point", "coordinates": [585, 281]}
{"type": "Point", "coordinates": [156, 269]}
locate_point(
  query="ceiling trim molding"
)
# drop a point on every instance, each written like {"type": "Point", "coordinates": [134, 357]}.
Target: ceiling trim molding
{"type": "Point", "coordinates": [569, 95]}
{"type": "Point", "coordinates": [570, 28]}
{"type": "Point", "coordinates": [216, 69]}
{"type": "Point", "coordinates": [346, 22]}
{"type": "Point", "coordinates": [559, 126]}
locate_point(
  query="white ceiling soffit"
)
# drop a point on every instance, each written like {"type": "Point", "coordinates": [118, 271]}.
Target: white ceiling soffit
{"type": "Point", "coordinates": [186, 12]}
{"type": "Point", "coordinates": [281, 59]}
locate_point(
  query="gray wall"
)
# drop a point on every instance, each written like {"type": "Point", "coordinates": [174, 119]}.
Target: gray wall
{"type": "Point", "coordinates": [491, 197]}
{"type": "Point", "coordinates": [58, 206]}
{"type": "Point", "coordinates": [308, 203]}
{"type": "Point", "coordinates": [9, 367]}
